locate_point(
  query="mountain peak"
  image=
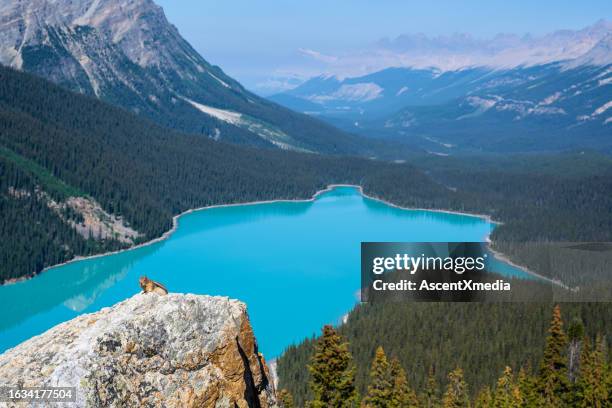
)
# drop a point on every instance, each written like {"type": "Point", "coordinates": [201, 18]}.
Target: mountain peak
{"type": "Point", "coordinates": [136, 26]}
{"type": "Point", "coordinates": [602, 25]}
{"type": "Point", "coordinates": [599, 55]}
{"type": "Point", "coordinates": [127, 53]}
{"type": "Point", "coordinates": [456, 51]}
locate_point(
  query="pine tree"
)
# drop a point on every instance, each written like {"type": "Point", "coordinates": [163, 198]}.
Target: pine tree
{"type": "Point", "coordinates": [286, 399]}
{"type": "Point", "coordinates": [592, 390]}
{"type": "Point", "coordinates": [430, 398]}
{"type": "Point", "coordinates": [332, 373]}
{"type": "Point", "coordinates": [456, 395]}
{"type": "Point", "coordinates": [403, 396]}
{"type": "Point", "coordinates": [484, 399]}
{"type": "Point", "coordinates": [608, 382]}
{"type": "Point", "coordinates": [553, 383]}
{"type": "Point", "coordinates": [507, 393]}
{"type": "Point", "coordinates": [380, 389]}
{"type": "Point", "coordinates": [584, 385]}
{"type": "Point", "coordinates": [528, 388]}
{"type": "Point", "coordinates": [603, 389]}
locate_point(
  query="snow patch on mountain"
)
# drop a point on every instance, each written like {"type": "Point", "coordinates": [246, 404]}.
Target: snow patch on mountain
{"type": "Point", "coordinates": [605, 81]}
{"type": "Point", "coordinates": [361, 92]}
{"type": "Point", "coordinates": [596, 113]}
{"type": "Point", "coordinates": [225, 84]}
{"type": "Point", "coordinates": [550, 99]}
{"type": "Point", "coordinates": [481, 104]}
{"type": "Point", "coordinates": [233, 118]}
{"type": "Point", "coordinates": [264, 130]}
{"type": "Point", "coordinates": [402, 90]}
{"type": "Point", "coordinates": [602, 108]}
{"type": "Point", "coordinates": [546, 110]}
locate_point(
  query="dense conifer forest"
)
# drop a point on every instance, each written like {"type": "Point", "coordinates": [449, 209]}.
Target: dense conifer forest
{"type": "Point", "coordinates": [541, 200]}
{"type": "Point", "coordinates": [54, 143]}
{"type": "Point", "coordinates": [531, 361]}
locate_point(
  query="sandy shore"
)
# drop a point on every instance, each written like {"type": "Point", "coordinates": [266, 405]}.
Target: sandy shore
{"type": "Point", "coordinates": [175, 223]}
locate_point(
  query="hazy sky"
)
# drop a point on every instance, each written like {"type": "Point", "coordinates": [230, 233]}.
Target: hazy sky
{"type": "Point", "coordinates": [248, 38]}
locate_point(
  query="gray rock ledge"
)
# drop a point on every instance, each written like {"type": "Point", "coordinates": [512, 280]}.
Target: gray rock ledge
{"type": "Point", "coordinates": [149, 351]}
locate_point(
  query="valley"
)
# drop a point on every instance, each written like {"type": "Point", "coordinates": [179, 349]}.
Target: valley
{"type": "Point", "coordinates": [269, 247]}
{"type": "Point", "coordinates": [132, 57]}
{"type": "Point", "coordinates": [69, 164]}
{"type": "Point", "coordinates": [124, 152]}
{"type": "Point", "coordinates": [557, 106]}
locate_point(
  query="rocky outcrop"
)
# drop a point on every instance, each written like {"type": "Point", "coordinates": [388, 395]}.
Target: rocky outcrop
{"type": "Point", "coordinates": [95, 222]}
{"type": "Point", "coordinates": [138, 29]}
{"type": "Point", "coordinates": [150, 351]}
{"type": "Point", "coordinates": [123, 51]}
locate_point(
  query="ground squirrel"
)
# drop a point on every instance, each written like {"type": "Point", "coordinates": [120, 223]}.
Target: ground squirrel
{"type": "Point", "coordinates": [148, 285]}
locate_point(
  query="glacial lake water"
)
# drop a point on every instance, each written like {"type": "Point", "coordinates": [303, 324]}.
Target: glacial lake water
{"type": "Point", "coordinates": [295, 264]}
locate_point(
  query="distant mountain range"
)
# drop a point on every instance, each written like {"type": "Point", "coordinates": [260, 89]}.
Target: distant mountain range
{"type": "Point", "coordinates": [128, 54]}
{"type": "Point", "coordinates": [509, 93]}
{"type": "Point", "coordinates": [444, 53]}
{"type": "Point", "coordinates": [501, 51]}
{"type": "Point", "coordinates": [557, 105]}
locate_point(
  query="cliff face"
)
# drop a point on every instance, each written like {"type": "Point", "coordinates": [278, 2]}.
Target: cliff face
{"type": "Point", "coordinates": [127, 53]}
{"type": "Point", "coordinates": [96, 41]}
{"type": "Point", "coordinates": [150, 351]}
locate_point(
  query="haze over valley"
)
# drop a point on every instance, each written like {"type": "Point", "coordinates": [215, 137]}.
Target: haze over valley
{"type": "Point", "coordinates": [457, 93]}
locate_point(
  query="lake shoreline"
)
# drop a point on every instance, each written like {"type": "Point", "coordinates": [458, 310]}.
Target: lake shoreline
{"type": "Point", "coordinates": [499, 255]}
{"type": "Point", "coordinates": [330, 187]}
{"type": "Point", "coordinates": [504, 258]}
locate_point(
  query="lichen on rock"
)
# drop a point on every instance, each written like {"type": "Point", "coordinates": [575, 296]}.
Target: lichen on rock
{"type": "Point", "coordinates": [150, 351]}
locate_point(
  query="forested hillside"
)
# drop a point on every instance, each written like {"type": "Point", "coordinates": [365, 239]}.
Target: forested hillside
{"type": "Point", "coordinates": [131, 56]}
{"type": "Point", "coordinates": [431, 340]}
{"type": "Point", "coordinates": [547, 107]}
{"type": "Point", "coordinates": [56, 144]}
{"type": "Point", "coordinates": [549, 205]}
{"type": "Point", "coordinates": [66, 144]}
{"type": "Point", "coordinates": [540, 199]}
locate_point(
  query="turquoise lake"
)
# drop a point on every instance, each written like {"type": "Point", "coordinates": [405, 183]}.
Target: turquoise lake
{"type": "Point", "coordinates": [295, 264]}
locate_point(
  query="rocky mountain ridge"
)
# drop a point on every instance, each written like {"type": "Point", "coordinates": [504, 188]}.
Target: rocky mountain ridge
{"type": "Point", "coordinates": [127, 53]}
{"type": "Point", "coordinates": [541, 107]}
{"type": "Point", "coordinates": [502, 51]}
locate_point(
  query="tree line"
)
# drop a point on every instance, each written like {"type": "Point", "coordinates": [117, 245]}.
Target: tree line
{"type": "Point", "coordinates": [574, 371]}
{"type": "Point", "coordinates": [435, 338]}
{"type": "Point", "coordinates": [64, 144]}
